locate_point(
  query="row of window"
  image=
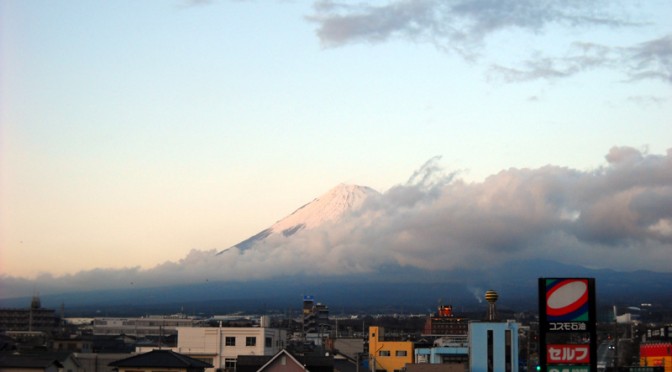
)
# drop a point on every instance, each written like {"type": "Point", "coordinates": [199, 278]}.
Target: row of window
{"type": "Point", "coordinates": [399, 353]}
{"type": "Point", "coordinates": [249, 341]}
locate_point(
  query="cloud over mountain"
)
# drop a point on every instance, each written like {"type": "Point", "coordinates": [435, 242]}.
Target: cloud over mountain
{"type": "Point", "coordinates": [617, 216]}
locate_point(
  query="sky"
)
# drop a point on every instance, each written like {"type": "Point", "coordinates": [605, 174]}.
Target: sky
{"type": "Point", "coordinates": [140, 135]}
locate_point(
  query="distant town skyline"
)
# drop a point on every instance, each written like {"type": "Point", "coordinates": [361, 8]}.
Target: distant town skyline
{"type": "Point", "coordinates": [145, 135]}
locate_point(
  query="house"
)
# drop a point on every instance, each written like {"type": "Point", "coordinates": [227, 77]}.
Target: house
{"type": "Point", "coordinates": [22, 363]}
{"type": "Point", "coordinates": [40, 360]}
{"type": "Point", "coordinates": [285, 361]}
{"type": "Point", "coordinates": [73, 344]}
{"type": "Point", "coordinates": [160, 360]}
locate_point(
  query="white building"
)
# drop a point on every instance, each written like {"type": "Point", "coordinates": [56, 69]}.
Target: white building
{"type": "Point", "coordinates": [221, 346]}
{"type": "Point", "coordinates": [153, 325]}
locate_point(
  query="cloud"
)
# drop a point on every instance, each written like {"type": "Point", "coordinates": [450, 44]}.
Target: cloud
{"type": "Point", "coordinates": [449, 23]}
{"type": "Point", "coordinates": [581, 57]}
{"type": "Point", "coordinates": [196, 2]}
{"type": "Point", "coordinates": [463, 27]}
{"type": "Point", "coordinates": [647, 60]}
{"type": "Point", "coordinates": [617, 216]}
{"type": "Point", "coordinates": [651, 59]}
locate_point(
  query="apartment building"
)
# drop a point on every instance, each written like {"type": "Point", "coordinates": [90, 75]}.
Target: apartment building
{"type": "Point", "coordinates": [221, 346]}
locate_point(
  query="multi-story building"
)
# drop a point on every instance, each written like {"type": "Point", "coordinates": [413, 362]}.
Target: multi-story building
{"type": "Point", "coordinates": [316, 324]}
{"type": "Point", "coordinates": [309, 318]}
{"type": "Point", "coordinates": [153, 325]}
{"type": "Point", "coordinates": [444, 322]}
{"type": "Point", "coordinates": [221, 346]}
{"type": "Point", "coordinates": [493, 346]}
{"type": "Point", "coordinates": [32, 319]}
{"type": "Point", "coordinates": [390, 356]}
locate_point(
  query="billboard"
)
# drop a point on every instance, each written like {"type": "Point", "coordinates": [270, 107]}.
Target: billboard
{"type": "Point", "coordinates": [567, 304]}
{"type": "Point", "coordinates": [567, 313]}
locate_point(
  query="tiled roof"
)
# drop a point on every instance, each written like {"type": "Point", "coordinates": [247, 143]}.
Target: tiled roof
{"type": "Point", "coordinates": [161, 358]}
{"type": "Point", "coordinates": [23, 361]}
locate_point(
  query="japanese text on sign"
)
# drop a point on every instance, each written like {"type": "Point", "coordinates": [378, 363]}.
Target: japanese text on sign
{"type": "Point", "coordinates": [568, 354]}
{"type": "Point", "coordinates": [567, 326]}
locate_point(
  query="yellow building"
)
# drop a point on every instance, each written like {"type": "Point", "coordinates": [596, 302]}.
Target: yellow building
{"type": "Point", "coordinates": [389, 356]}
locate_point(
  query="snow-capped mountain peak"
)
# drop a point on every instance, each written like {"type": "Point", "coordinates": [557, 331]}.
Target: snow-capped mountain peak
{"type": "Point", "coordinates": [329, 207]}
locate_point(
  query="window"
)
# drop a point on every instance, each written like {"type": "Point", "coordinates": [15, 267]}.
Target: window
{"type": "Point", "coordinates": [250, 341]}
{"type": "Point", "coordinates": [384, 353]}
{"type": "Point", "coordinates": [230, 364]}
{"type": "Point", "coordinates": [400, 353]}
{"type": "Point", "coordinates": [230, 341]}
{"type": "Point", "coordinates": [507, 353]}
{"type": "Point", "coordinates": [490, 344]}
{"type": "Point", "coordinates": [268, 342]}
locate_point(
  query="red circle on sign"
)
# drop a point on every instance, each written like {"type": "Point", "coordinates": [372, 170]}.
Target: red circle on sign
{"type": "Point", "coordinates": [567, 288]}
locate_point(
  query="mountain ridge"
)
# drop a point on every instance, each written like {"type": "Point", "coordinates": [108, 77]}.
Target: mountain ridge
{"type": "Point", "coordinates": [392, 287]}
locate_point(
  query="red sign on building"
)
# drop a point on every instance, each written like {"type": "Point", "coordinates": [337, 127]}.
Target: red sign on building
{"type": "Point", "coordinates": [568, 354]}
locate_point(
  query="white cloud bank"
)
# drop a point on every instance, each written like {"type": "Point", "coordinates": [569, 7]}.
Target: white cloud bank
{"type": "Point", "coordinates": [618, 216]}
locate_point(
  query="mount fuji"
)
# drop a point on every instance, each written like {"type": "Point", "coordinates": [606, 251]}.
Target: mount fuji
{"type": "Point", "coordinates": [328, 208]}
{"type": "Point", "coordinates": [355, 248]}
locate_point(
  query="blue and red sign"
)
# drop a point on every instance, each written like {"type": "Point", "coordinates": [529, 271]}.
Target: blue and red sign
{"type": "Point", "coordinates": [567, 300]}
{"type": "Point", "coordinates": [567, 314]}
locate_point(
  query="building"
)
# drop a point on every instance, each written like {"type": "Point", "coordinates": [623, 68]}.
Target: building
{"type": "Point", "coordinates": [309, 319]}
{"type": "Point", "coordinates": [99, 362]}
{"type": "Point", "coordinates": [33, 319]}
{"type": "Point", "coordinates": [493, 346]}
{"type": "Point", "coordinates": [657, 354]}
{"type": "Point", "coordinates": [17, 363]}
{"type": "Point", "coordinates": [445, 350]}
{"type": "Point", "coordinates": [221, 346]}
{"type": "Point", "coordinates": [489, 346]}
{"type": "Point", "coordinates": [285, 361]}
{"type": "Point", "coordinates": [444, 322]}
{"type": "Point", "coordinates": [73, 344]}
{"type": "Point", "coordinates": [160, 360]}
{"type": "Point", "coordinates": [153, 325]}
{"type": "Point", "coordinates": [315, 316]}
{"type": "Point", "coordinates": [386, 355]}
{"type": "Point", "coordinates": [39, 361]}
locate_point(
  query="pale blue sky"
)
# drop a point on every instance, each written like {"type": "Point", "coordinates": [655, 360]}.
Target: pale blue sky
{"type": "Point", "coordinates": [134, 131]}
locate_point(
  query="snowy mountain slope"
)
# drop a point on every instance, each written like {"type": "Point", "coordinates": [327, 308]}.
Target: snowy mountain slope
{"type": "Point", "coordinates": [329, 207]}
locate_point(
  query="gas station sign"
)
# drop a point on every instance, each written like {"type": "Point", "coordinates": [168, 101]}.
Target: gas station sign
{"type": "Point", "coordinates": [567, 313]}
